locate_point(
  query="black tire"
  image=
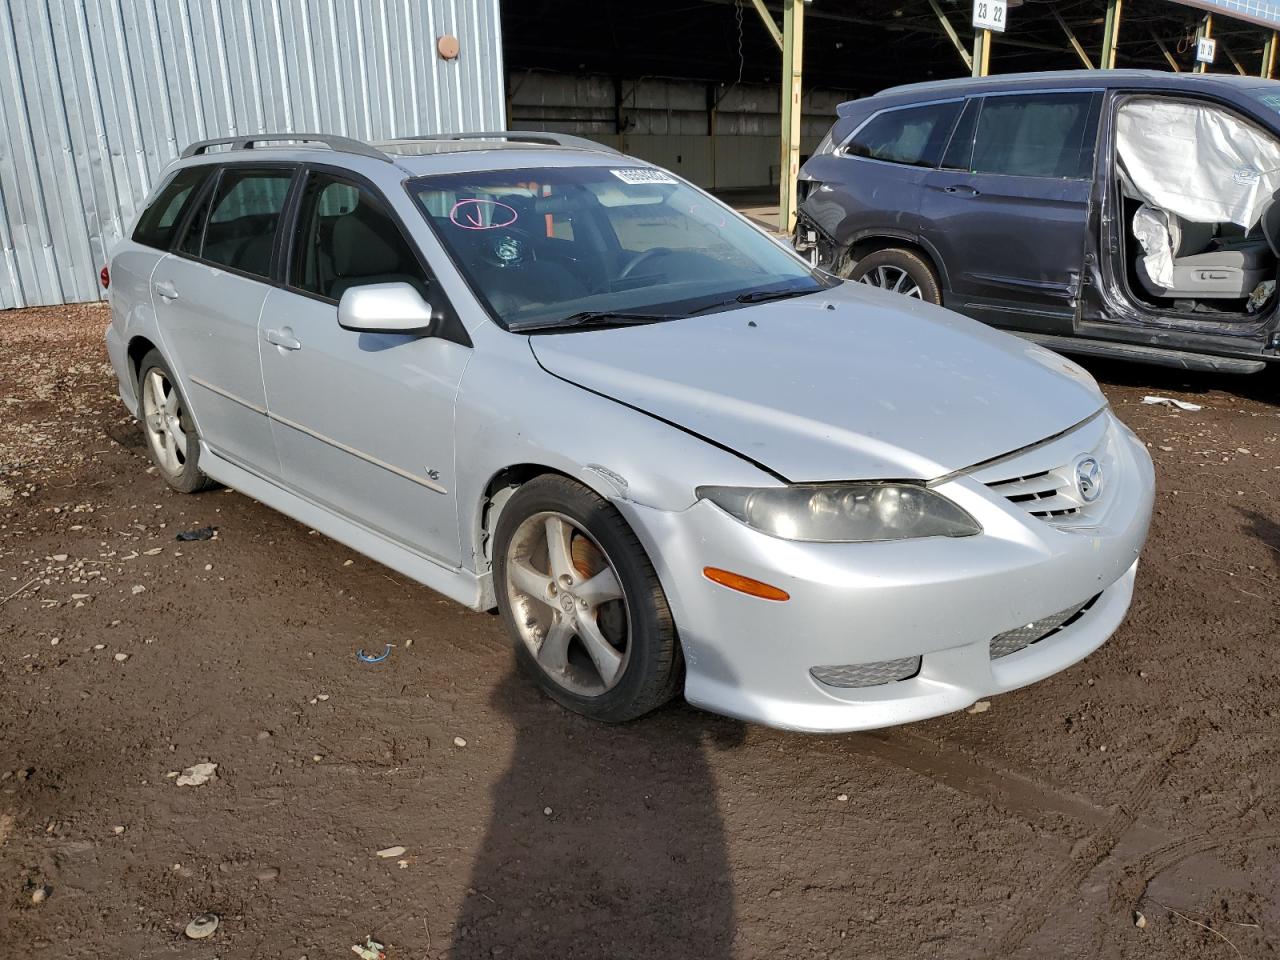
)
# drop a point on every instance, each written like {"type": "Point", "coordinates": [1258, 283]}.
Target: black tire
{"type": "Point", "coordinates": [916, 268]}
{"type": "Point", "coordinates": [652, 669]}
{"type": "Point", "coordinates": [189, 478]}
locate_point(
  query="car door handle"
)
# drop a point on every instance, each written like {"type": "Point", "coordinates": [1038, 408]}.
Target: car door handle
{"type": "Point", "coordinates": [284, 339]}
{"type": "Point", "coordinates": [964, 191]}
{"type": "Point", "coordinates": [165, 290]}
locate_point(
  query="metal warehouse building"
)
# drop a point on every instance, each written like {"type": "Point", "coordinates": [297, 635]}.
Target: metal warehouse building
{"type": "Point", "coordinates": [96, 96]}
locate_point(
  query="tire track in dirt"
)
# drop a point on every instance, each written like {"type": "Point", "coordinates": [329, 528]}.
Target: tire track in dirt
{"type": "Point", "coordinates": [1097, 847]}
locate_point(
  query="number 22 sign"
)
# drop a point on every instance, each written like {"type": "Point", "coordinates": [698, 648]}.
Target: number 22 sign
{"type": "Point", "coordinates": [989, 14]}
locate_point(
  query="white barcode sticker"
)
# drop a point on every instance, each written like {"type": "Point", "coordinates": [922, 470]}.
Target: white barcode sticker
{"type": "Point", "coordinates": [638, 175]}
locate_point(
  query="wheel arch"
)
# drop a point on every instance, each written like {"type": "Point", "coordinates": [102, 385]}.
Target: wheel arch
{"type": "Point", "coordinates": [498, 490]}
{"type": "Point", "coordinates": [139, 347]}
{"type": "Point", "coordinates": [871, 243]}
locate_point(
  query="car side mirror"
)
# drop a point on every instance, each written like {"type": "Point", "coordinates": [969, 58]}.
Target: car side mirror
{"type": "Point", "coordinates": [386, 308]}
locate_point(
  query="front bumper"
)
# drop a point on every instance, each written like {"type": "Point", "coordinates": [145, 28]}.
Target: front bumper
{"type": "Point", "coordinates": [940, 599]}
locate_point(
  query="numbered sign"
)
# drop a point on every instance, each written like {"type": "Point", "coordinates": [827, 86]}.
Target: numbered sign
{"type": "Point", "coordinates": [990, 14]}
{"type": "Point", "coordinates": [1206, 47]}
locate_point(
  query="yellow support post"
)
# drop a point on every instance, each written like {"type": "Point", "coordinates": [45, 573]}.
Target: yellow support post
{"type": "Point", "coordinates": [1071, 38]}
{"type": "Point", "coordinates": [1164, 50]}
{"type": "Point", "coordinates": [792, 60]}
{"type": "Point", "coordinates": [981, 53]}
{"type": "Point", "coordinates": [950, 31]}
{"type": "Point", "coordinates": [1206, 32]}
{"type": "Point", "coordinates": [1269, 57]}
{"type": "Point", "coordinates": [1111, 34]}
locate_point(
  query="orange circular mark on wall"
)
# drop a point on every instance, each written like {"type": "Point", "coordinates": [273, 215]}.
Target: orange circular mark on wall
{"type": "Point", "coordinates": [448, 47]}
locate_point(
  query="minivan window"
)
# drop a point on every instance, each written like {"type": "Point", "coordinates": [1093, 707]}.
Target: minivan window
{"type": "Point", "coordinates": [241, 230]}
{"type": "Point", "coordinates": [346, 238]}
{"type": "Point", "coordinates": [156, 225]}
{"type": "Point", "coordinates": [914, 135]}
{"type": "Point", "coordinates": [1036, 135]}
{"type": "Point", "coordinates": [960, 149]}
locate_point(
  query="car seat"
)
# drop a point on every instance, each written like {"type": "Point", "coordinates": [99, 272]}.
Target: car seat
{"type": "Point", "coordinates": [1205, 266]}
{"type": "Point", "coordinates": [361, 255]}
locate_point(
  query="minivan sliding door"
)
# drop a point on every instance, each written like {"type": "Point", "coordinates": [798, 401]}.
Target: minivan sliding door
{"type": "Point", "coordinates": [1008, 209]}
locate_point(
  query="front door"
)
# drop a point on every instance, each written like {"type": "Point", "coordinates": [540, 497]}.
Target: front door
{"type": "Point", "coordinates": [363, 422]}
{"type": "Point", "coordinates": [1008, 211]}
{"type": "Point", "coordinates": [208, 294]}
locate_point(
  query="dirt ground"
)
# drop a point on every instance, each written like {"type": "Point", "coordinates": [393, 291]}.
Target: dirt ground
{"type": "Point", "coordinates": [1142, 781]}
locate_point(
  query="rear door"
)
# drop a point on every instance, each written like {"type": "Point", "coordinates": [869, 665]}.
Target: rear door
{"type": "Point", "coordinates": [208, 294]}
{"type": "Point", "coordinates": [363, 421]}
{"type": "Point", "coordinates": [1008, 210]}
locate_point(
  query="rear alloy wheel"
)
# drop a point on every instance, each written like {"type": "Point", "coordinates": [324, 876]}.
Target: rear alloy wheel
{"type": "Point", "coordinates": [583, 603]}
{"type": "Point", "coordinates": [898, 271]}
{"type": "Point", "coordinates": [171, 435]}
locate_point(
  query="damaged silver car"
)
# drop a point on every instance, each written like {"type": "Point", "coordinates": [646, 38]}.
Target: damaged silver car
{"type": "Point", "coordinates": [542, 377]}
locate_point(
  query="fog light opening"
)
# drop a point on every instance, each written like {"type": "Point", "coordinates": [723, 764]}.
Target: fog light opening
{"type": "Point", "coordinates": [736, 581]}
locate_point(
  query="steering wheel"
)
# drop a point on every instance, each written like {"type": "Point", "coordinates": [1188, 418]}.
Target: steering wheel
{"type": "Point", "coordinates": [644, 256]}
{"type": "Point", "coordinates": [509, 247]}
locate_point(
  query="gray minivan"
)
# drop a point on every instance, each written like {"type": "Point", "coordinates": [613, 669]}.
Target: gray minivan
{"type": "Point", "coordinates": [1120, 213]}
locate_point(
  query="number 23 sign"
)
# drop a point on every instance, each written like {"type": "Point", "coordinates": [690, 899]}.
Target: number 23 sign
{"type": "Point", "coordinates": [989, 14]}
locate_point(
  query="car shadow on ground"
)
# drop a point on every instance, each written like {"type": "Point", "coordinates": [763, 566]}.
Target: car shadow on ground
{"type": "Point", "coordinates": [1265, 530]}
{"type": "Point", "coordinates": [1263, 387]}
{"type": "Point", "coordinates": [603, 840]}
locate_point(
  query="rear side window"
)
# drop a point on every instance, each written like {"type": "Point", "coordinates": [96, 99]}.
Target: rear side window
{"type": "Point", "coordinates": [346, 238]}
{"type": "Point", "coordinates": [157, 223]}
{"type": "Point", "coordinates": [240, 232]}
{"type": "Point", "coordinates": [914, 135]}
{"type": "Point", "coordinates": [1037, 135]}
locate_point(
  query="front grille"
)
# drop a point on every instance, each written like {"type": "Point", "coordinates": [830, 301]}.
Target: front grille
{"type": "Point", "coordinates": [1019, 638]}
{"type": "Point", "coordinates": [1044, 480]}
{"type": "Point", "coordinates": [867, 674]}
{"type": "Point", "coordinates": [1047, 494]}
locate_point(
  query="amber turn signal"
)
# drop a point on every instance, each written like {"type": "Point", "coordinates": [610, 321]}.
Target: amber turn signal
{"type": "Point", "coordinates": [736, 581]}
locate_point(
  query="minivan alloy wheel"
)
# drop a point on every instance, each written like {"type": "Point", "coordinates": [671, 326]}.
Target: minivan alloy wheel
{"type": "Point", "coordinates": [162, 418]}
{"type": "Point", "coordinates": [894, 279]}
{"type": "Point", "coordinates": [568, 604]}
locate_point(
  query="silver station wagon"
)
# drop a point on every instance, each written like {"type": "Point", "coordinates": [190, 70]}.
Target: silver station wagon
{"type": "Point", "coordinates": [538, 375]}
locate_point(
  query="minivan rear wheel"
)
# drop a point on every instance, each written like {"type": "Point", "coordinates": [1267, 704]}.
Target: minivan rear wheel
{"type": "Point", "coordinates": [898, 271]}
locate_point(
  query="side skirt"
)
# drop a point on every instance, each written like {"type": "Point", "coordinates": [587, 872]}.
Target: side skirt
{"type": "Point", "coordinates": [469, 589]}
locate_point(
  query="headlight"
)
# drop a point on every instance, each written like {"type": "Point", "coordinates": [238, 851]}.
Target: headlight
{"type": "Point", "coordinates": [844, 512]}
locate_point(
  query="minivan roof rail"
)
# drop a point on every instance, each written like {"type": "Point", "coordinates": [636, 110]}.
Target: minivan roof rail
{"type": "Point", "coordinates": [333, 142]}
{"type": "Point", "coordinates": [519, 136]}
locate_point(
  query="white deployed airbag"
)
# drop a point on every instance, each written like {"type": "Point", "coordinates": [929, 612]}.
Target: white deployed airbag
{"type": "Point", "coordinates": [1197, 160]}
{"type": "Point", "coordinates": [1151, 227]}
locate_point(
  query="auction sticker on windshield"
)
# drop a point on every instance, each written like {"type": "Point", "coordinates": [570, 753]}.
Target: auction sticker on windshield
{"type": "Point", "coordinates": [638, 175]}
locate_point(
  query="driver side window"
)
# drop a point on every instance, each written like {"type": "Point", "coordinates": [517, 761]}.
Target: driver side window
{"type": "Point", "coordinates": [346, 238]}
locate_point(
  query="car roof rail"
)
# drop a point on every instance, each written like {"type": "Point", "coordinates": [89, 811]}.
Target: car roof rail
{"type": "Point", "coordinates": [521, 136]}
{"type": "Point", "coordinates": [333, 142]}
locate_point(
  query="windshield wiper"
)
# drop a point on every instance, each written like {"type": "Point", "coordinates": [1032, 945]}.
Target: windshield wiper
{"type": "Point", "coordinates": [597, 318]}
{"type": "Point", "coordinates": [755, 296]}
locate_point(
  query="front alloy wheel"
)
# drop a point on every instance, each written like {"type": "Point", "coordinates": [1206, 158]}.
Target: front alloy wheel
{"type": "Point", "coordinates": [582, 602]}
{"type": "Point", "coordinates": [570, 611]}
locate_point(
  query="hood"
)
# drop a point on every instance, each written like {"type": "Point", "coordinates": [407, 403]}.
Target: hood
{"type": "Point", "coordinates": [851, 383]}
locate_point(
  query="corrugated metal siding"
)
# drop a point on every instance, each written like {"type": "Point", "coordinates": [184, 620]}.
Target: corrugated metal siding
{"type": "Point", "coordinates": [96, 96]}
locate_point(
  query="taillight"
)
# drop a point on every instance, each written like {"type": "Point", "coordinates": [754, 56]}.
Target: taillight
{"type": "Point", "coordinates": [105, 276]}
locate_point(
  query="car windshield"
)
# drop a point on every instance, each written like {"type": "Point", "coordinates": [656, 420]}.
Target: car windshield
{"type": "Point", "coordinates": [556, 246]}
